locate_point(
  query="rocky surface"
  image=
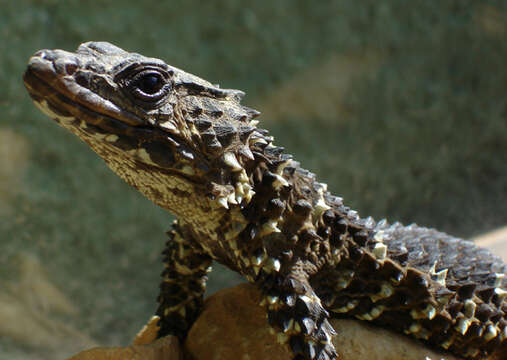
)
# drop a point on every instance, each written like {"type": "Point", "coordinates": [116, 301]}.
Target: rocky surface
{"type": "Point", "coordinates": [166, 348]}
{"type": "Point", "coordinates": [495, 241]}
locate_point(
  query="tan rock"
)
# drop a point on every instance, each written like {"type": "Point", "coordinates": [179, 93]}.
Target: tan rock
{"type": "Point", "coordinates": [167, 348]}
{"type": "Point", "coordinates": [234, 326]}
{"type": "Point", "coordinates": [495, 241]}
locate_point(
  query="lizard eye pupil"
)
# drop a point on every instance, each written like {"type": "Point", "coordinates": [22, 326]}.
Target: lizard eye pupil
{"type": "Point", "coordinates": [150, 83]}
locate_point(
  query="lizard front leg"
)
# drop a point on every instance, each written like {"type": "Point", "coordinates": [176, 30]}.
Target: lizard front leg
{"type": "Point", "coordinates": [183, 285]}
{"type": "Point", "coordinates": [297, 315]}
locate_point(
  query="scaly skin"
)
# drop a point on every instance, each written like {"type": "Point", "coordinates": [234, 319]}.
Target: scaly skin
{"type": "Point", "coordinates": [194, 150]}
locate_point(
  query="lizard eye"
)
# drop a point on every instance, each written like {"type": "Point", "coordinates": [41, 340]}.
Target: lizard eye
{"type": "Point", "coordinates": [149, 85]}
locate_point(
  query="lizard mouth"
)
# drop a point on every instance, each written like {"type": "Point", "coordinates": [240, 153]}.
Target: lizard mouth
{"type": "Point", "coordinates": [53, 89]}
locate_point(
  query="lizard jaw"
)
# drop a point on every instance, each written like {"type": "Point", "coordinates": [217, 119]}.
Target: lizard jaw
{"type": "Point", "coordinates": [51, 72]}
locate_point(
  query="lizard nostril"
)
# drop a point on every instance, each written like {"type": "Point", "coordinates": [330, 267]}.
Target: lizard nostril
{"type": "Point", "coordinates": [70, 68]}
{"type": "Point", "coordinates": [64, 64]}
{"type": "Point", "coordinates": [46, 54]}
{"type": "Point", "coordinates": [41, 54]}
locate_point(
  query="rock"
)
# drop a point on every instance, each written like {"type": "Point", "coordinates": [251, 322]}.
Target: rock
{"type": "Point", "coordinates": [166, 348]}
{"type": "Point", "coordinates": [234, 326]}
{"type": "Point", "coordinates": [495, 241]}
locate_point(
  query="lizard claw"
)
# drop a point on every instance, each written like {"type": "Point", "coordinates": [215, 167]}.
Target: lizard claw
{"type": "Point", "coordinates": [148, 333]}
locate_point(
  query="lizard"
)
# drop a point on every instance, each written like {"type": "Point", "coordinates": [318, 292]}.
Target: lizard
{"type": "Point", "coordinates": [193, 149]}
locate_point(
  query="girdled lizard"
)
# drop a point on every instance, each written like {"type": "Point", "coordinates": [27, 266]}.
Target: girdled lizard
{"type": "Point", "coordinates": [193, 149]}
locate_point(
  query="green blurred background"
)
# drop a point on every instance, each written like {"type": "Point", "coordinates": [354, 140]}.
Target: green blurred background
{"type": "Point", "coordinates": [401, 107]}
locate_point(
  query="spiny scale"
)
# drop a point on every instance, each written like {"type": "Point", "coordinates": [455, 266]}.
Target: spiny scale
{"type": "Point", "coordinates": [194, 150]}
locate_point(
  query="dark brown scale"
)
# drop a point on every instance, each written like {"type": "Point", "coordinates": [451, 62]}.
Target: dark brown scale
{"type": "Point", "coordinates": [391, 270]}
{"type": "Point", "coordinates": [497, 316]}
{"type": "Point", "coordinates": [335, 240]}
{"type": "Point", "coordinates": [364, 305]}
{"type": "Point", "coordinates": [196, 111]}
{"type": "Point", "coordinates": [302, 208]}
{"type": "Point", "coordinates": [444, 295]}
{"type": "Point", "coordinates": [275, 208]}
{"type": "Point", "coordinates": [417, 281]}
{"type": "Point", "coordinates": [454, 307]}
{"type": "Point", "coordinates": [341, 225]}
{"type": "Point", "coordinates": [466, 291]}
{"type": "Point", "coordinates": [440, 323]}
{"type": "Point", "coordinates": [486, 294]}
{"type": "Point", "coordinates": [297, 345]}
{"type": "Point", "coordinates": [367, 266]}
{"type": "Point", "coordinates": [356, 286]}
{"type": "Point", "coordinates": [244, 132]}
{"type": "Point", "coordinates": [202, 124]}
{"type": "Point", "coordinates": [395, 319]}
{"type": "Point", "coordinates": [268, 179]}
{"type": "Point", "coordinates": [324, 232]}
{"type": "Point", "coordinates": [360, 237]}
{"type": "Point", "coordinates": [484, 312]}
{"type": "Point", "coordinates": [356, 254]}
{"type": "Point", "coordinates": [274, 151]}
{"type": "Point", "coordinates": [307, 238]}
{"type": "Point", "coordinates": [497, 300]}
{"type": "Point", "coordinates": [245, 153]}
{"type": "Point", "coordinates": [208, 136]}
{"type": "Point", "coordinates": [400, 257]}
{"type": "Point", "coordinates": [225, 134]}
{"type": "Point", "coordinates": [213, 146]}
{"type": "Point", "coordinates": [328, 217]}
{"type": "Point", "coordinates": [404, 297]}
{"type": "Point", "coordinates": [475, 330]}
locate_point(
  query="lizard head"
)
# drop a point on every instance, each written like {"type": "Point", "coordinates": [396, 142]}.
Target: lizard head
{"type": "Point", "coordinates": [174, 136]}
